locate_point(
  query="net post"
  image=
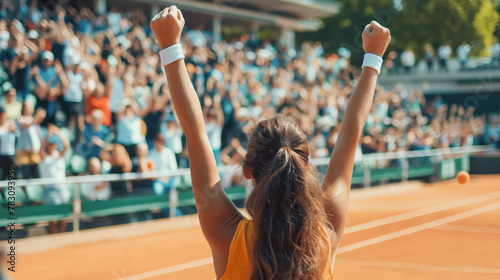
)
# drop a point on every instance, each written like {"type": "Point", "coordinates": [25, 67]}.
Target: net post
{"type": "Point", "coordinates": [366, 177]}
{"type": "Point", "coordinates": [172, 202]}
{"type": "Point", "coordinates": [404, 169]}
{"type": "Point", "coordinates": [77, 209]}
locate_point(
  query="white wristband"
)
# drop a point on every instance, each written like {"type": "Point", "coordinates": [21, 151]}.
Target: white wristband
{"type": "Point", "coordinates": [373, 61]}
{"type": "Point", "coordinates": [171, 54]}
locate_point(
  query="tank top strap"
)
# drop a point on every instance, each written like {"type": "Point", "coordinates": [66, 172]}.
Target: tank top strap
{"type": "Point", "coordinates": [238, 262]}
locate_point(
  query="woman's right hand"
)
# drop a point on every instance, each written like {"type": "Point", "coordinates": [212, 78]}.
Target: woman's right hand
{"type": "Point", "coordinates": [167, 26]}
{"type": "Point", "coordinates": [376, 38]}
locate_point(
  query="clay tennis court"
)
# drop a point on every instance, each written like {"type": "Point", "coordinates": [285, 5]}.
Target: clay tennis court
{"type": "Point", "coordinates": [405, 231]}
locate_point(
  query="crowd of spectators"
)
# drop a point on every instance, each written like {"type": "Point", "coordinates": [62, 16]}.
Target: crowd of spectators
{"type": "Point", "coordinates": [91, 86]}
{"type": "Point", "coordinates": [438, 60]}
{"type": "Point", "coordinates": [440, 57]}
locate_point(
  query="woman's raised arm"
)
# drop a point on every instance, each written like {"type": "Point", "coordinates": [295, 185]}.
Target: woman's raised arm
{"type": "Point", "coordinates": [337, 181]}
{"type": "Point", "coordinates": [218, 215]}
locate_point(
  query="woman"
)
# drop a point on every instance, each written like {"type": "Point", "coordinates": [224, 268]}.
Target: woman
{"type": "Point", "coordinates": [296, 226]}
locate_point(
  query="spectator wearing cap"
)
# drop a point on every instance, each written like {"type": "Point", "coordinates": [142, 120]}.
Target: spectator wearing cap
{"type": "Point", "coordinates": [53, 166]}
{"type": "Point", "coordinates": [11, 106]}
{"type": "Point", "coordinates": [163, 160]}
{"type": "Point", "coordinates": [72, 87]}
{"type": "Point", "coordinates": [47, 86]}
{"type": "Point", "coordinates": [7, 143]}
{"type": "Point", "coordinates": [94, 135]}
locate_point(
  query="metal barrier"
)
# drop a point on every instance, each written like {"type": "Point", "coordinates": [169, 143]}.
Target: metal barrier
{"type": "Point", "coordinates": [365, 177]}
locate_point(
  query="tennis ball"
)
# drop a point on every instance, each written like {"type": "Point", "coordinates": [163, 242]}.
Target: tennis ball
{"type": "Point", "coordinates": [463, 177]}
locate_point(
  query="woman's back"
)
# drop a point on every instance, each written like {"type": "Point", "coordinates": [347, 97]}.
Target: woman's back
{"type": "Point", "coordinates": [239, 263]}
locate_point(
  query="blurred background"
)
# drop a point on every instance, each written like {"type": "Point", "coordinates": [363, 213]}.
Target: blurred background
{"type": "Point", "coordinates": [86, 116]}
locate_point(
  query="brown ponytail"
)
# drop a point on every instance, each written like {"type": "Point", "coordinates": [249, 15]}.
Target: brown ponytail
{"type": "Point", "coordinates": [287, 204]}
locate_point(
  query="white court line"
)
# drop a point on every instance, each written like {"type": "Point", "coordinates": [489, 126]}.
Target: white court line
{"type": "Point", "coordinates": [421, 212]}
{"type": "Point", "coordinates": [469, 228]}
{"type": "Point", "coordinates": [420, 266]}
{"type": "Point", "coordinates": [342, 249]}
{"type": "Point", "coordinates": [169, 269]}
{"type": "Point", "coordinates": [418, 228]}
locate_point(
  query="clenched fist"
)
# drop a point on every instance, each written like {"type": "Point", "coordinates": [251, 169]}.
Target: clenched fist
{"type": "Point", "coordinates": [376, 38]}
{"type": "Point", "coordinates": [167, 26]}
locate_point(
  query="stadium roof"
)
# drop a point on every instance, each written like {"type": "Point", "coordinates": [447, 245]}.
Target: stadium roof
{"type": "Point", "coordinates": [296, 14]}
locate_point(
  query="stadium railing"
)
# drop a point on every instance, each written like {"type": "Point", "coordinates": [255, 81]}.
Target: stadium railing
{"type": "Point", "coordinates": [438, 163]}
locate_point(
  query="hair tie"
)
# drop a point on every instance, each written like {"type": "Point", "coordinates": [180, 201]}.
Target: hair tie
{"type": "Point", "coordinates": [285, 144]}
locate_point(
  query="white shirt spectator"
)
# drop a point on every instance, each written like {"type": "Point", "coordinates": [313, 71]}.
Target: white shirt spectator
{"type": "Point", "coordinates": [463, 52]}
{"type": "Point", "coordinates": [495, 50]}
{"type": "Point", "coordinates": [197, 38]}
{"type": "Point", "coordinates": [128, 131]}
{"type": "Point", "coordinates": [7, 142]}
{"type": "Point", "coordinates": [74, 91]}
{"type": "Point", "coordinates": [29, 138]}
{"type": "Point", "coordinates": [408, 58]}
{"type": "Point", "coordinates": [173, 138]}
{"type": "Point", "coordinates": [277, 95]}
{"type": "Point", "coordinates": [90, 193]}
{"type": "Point", "coordinates": [4, 39]}
{"type": "Point", "coordinates": [214, 134]}
{"type": "Point", "coordinates": [114, 19]}
{"type": "Point", "coordinates": [164, 160]}
{"type": "Point", "coordinates": [53, 166]}
{"type": "Point", "coordinates": [444, 52]}
{"type": "Point", "coordinates": [116, 95]}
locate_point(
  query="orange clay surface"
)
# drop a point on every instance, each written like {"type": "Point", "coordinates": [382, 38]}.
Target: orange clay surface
{"type": "Point", "coordinates": [438, 231]}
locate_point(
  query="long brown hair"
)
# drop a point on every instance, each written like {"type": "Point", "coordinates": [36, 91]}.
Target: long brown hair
{"type": "Point", "coordinates": [287, 204]}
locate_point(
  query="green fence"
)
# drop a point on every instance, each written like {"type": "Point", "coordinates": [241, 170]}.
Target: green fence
{"type": "Point", "coordinates": [27, 213]}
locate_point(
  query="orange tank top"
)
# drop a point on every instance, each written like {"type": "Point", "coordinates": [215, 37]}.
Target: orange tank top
{"type": "Point", "coordinates": [239, 265]}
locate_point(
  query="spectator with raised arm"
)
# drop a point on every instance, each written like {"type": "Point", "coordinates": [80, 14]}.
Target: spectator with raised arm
{"type": "Point", "coordinates": [28, 142]}
{"type": "Point", "coordinates": [72, 88]}
{"type": "Point", "coordinates": [130, 126]}
{"type": "Point", "coordinates": [48, 87]}
{"type": "Point", "coordinates": [53, 166]}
